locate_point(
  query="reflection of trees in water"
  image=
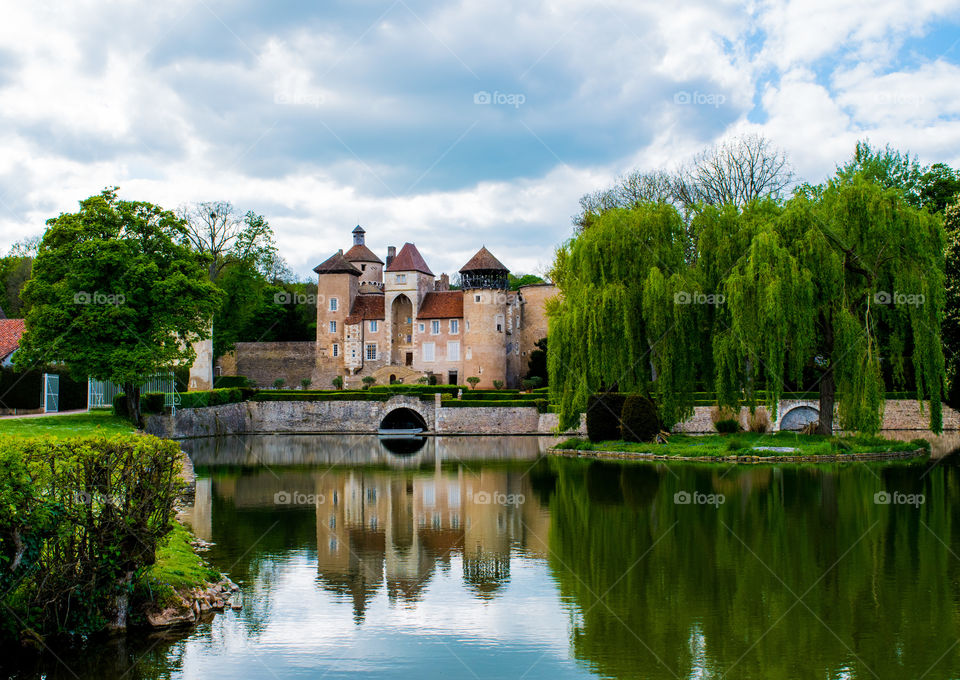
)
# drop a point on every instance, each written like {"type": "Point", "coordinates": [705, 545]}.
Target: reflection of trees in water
{"type": "Point", "coordinates": [701, 586]}
{"type": "Point", "coordinates": [485, 573]}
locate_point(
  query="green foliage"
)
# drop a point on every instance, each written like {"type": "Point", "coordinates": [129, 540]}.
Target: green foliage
{"type": "Point", "coordinates": [99, 421]}
{"type": "Point", "coordinates": [603, 416]}
{"type": "Point", "coordinates": [278, 383]}
{"type": "Point", "coordinates": [531, 383]}
{"type": "Point", "coordinates": [114, 295]}
{"type": "Point", "coordinates": [596, 336]}
{"type": "Point", "coordinates": [305, 383]}
{"type": "Point", "coordinates": [216, 397]}
{"type": "Point", "coordinates": [82, 515]}
{"type": "Point", "coordinates": [498, 384]}
{"type": "Point", "coordinates": [222, 381]}
{"type": "Point", "coordinates": [537, 363]}
{"type": "Point", "coordinates": [368, 380]}
{"type": "Point", "coordinates": [639, 421]}
{"type": "Point", "coordinates": [337, 382]}
{"type": "Point", "coordinates": [473, 381]}
{"type": "Point", "coordinates": [152, 402]}
{"type": "Point", "coordinates": [727, 425]}
{"type": "Point", "coordinates": [939, 187]}
{"type": "Point", "coordinates": [522, 280]}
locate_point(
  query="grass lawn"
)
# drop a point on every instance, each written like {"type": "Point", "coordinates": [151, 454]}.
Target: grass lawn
{"type": "Point", "coordinates": [177, 567]}
{"type": "Point", "coordinates": [93, 422]}
{"type": "Point", "coordinates": [753, 444]}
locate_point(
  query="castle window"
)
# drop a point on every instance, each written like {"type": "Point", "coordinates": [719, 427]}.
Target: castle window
{"type": "Point", "coordinates": [371, 351]}
{"type": "Point", "coordinates": [499, 322]}
{"type": "Point", "coordinates": [468, 324]}
{"type": "Point", "coordinates": [373, 326]}
{"type": "Point", "coordinates": [334, 350]}
{"type": "Point", "coordinates": [333, 304]}
{"type": "Point", "coordinates": [420, 327]}
{"type": "Point", "coordinates": [453, 351]}
{"type": "Point", "coordinates": [401, 278]}
{"type": "Point", "coordinates": [363, 267]}
{"type": "Point", "coordinates": [476, 298]}
{"type": "Point", "coordinates": [333, 326]}
{"type": "Point", "coordinates": [434, 328]}
{"type": "Point", "coordinates": [469, 353]}
{"type": "Point", "coordinates": [428, 348]}
{"type": "Point", "coordinates": [454, 326]}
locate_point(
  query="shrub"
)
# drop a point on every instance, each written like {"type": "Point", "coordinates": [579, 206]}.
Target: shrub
{"type": "Point", "coordinates": [498, 384]}
{"type": "Point", "coordinates": [639, 420]}
{"type": "Point", "coordinates": [216, 397]}
{"type": "Point", "coordinates": [305, 383]}
{"type": "Point", "coordinates": [759, 420]}
{"type": "Point", "coordinates": [473, 381]}
{"type": "Point", "coordinates": [423, 380]}
{"type": "Point", "coordinates": [531, 383]}
{"type": "Point", "coordinates": [224, 381]}
{"type": "Point", "coordinates": [724, 419]}
{"type": "Point", "coordinates": [603, 416]}
{"type": "Point", "coordinates": [337, 382]}
{"type": "Point", "coordinates": [368, 381]}
{"type": "Point", "coordinates": [152, 402]}
{"type": "Point", "coordinates": [278, 383]}
{"type": "Point", "coordinates": [87, 515]}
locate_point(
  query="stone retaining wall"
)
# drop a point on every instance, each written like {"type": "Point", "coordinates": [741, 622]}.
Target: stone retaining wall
{"type": "Point", "coordinates": [264, 362]}
{"type": "Point", "coordinates": [363, 417]}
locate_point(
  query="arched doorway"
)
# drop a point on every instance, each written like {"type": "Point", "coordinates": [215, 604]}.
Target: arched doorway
{"type": "Point", "coordinates": [401, 323]}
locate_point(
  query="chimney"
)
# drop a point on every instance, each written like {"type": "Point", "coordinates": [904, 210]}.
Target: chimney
{"type": "Point", "coordinates": [443, 283]}
{"type": "Point", "coordinates": [391, 253]}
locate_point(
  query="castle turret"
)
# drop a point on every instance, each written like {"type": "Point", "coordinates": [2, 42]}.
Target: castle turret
{"type": "Point", "coordinates": [337, 286]}
{"type": "Point", "coordinates": [408, 279]}
{"type": "Point", "coordinates": [370, 266]}
{"type": "Point", "coordinates": [487, 325]}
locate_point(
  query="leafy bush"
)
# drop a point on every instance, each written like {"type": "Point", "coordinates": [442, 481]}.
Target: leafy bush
{"type": "Point", "coordinates": [639, 420]}
{"type": "Point", "coordinates": [759, 420]}
{"type": "Point", "coordinates": [337, 382]}
{"type": "Point", "coordinates": [473, 381]}
{"type": "Point", "coordinates": [540, 404]}
{"type": "Point", "coordinates": [224, 381]}
{"type": "Point", "coordinates": [216, 397]}
{"type": "Point", "coordinates": [368, 381]}
{"type": "Point", "coordinates": [498, 384]}
{"type": "Point", "coordinates": [725, 419]}
{"type": "Point", "coordinates": [603, 416]}
{"type": "Point", "coordinates": [531, 383]}
{"type": "Point", "coordinates": [152, 402]}
{"type": "Point", "coordinates": [305, 383]}
{"type": "Point", "coordinates": [727, 426]}
{"type": "Point", "coordinates": [82, 517]}
{"type": "Point", "coordinates": [347, 395]}
{"type": "Point", "coordinates": [278, 383]}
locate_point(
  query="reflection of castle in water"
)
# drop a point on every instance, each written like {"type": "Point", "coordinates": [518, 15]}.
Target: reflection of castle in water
{"type": "Point", "coordinates": [378, 528]}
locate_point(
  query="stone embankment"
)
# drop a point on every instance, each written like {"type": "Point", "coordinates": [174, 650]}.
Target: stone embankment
{"type": "Point", "coordinates": [741, 460]}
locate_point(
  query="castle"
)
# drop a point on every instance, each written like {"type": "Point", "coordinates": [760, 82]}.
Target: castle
{"type": "Point", "coordinates": [396, 322]}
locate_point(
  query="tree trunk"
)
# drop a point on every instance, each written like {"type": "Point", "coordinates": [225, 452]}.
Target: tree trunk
{"type": "Point", "coordinates": [122, 603]}
{"type": "Point", "coordinates": [133, 403]}
{"type": "Point", "coordinates": [827, 386]}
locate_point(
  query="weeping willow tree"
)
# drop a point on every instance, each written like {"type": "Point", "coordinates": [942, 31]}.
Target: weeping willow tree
{"type": "Point", "coordinates": [598, 337]}
{"type": "Point", "coordinates": [843, 282]}
{"type": "Point", "coordinates": [848, 281]}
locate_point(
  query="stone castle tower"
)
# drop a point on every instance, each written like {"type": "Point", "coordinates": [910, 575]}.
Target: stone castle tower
{"type": "Point", "coordinates": [395, 321]}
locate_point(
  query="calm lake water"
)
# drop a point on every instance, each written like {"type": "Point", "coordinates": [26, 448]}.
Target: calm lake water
{"type": "Point", "coordinates": [480, 558]}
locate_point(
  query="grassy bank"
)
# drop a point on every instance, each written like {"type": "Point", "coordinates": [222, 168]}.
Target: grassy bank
{"type": "Point", "coordinates": [100, 421]}
{"type": "Point", "coordinates": [178, 567]}
{"type": "Point", "coordinates": [752, 444]}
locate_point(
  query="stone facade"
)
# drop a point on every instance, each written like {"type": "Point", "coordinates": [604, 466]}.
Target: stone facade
{"type": "Point", "coordinates": [373, 317]}
{"type": "Point", "coordinates": [265, 362]}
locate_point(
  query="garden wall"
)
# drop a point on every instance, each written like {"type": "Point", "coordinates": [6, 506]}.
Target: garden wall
{"type": "Point", "coordinates": [265, 362]}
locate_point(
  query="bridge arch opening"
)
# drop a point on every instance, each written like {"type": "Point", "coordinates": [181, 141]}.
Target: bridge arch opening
{"type": "Point", "coordinates": [403, 419]}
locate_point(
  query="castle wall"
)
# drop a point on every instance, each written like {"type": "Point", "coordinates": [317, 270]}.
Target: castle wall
{"type": "Point", "coordinates": [264, 362]}
{"type": "Point", "coordinates": [445, 360]}
{"type": "Point", "coordinates": [484, 344]}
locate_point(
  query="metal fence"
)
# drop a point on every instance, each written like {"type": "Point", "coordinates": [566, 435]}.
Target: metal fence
{"type": "Point", "coordinates": [102, 392]}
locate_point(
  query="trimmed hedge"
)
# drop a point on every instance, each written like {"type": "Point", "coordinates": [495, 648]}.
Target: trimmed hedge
{"type": "Point", "coordinates": [83, 516]}
{"type": "Point", "coordinates": [603, 416]}
{"type": "Point", "coordinates": [418, 389]}
{"type": "Point", "coordinates": [540, 404]}
{"type": "Point", "coordinates": [225, 381]}
{"type": "Point", "coordinates": [500, 396]}
{"type": "Point", "coordinates": [215, 397]}
{"type": "Point", "coordinates": [639, 420]}
{"type": "Point", "coordinates": [347, 395]}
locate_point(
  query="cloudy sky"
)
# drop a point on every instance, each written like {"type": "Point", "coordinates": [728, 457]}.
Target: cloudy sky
{"type": "Point", "coordinates": [450, 124]}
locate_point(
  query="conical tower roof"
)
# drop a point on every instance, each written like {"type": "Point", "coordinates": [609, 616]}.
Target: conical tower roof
{"type": "Point", "coordinates": [483, 261]}
{"type": "Point", "coordinates": [336, 264]}
{"type": "Point", "coordinates": [409, 259]}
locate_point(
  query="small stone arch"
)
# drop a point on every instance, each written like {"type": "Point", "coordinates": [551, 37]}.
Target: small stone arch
{"type": "Point", "coordinates": [403, 418]}
{"type": "Point", "coordinates": [799, 417]}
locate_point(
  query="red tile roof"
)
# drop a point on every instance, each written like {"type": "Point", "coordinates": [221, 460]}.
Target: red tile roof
{"type": "Point", "coordinates": [409, 260]}
{"type": "Point", "coordinates": [483, 261]}
{"type": "Point", "coordinates": [366, 307]}
{"type": "Point", "coordinates": [10, 332]}
{"type": "Point", "coordinates": [336, 264]}
{"type": "Point", "coordinates": [441, 305]}
{"type": "Point", "coordinates": [360, 253]}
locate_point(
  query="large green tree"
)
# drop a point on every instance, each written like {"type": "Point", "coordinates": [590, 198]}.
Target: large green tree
{"type": "Point", "coordinates": [116, 295]}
